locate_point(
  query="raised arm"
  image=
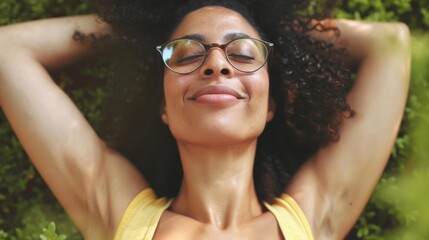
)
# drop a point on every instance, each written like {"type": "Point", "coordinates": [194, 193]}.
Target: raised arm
{"type": "Point", "coordinates": [81, 171]}
{"type": "Point", "coordinates": [335, 185]}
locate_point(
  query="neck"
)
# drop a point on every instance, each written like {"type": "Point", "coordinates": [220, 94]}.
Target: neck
{"type": "Point", "coordinates": [218, 187]}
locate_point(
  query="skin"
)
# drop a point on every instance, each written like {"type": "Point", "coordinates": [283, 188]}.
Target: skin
{"type": "Point", "coordinates": [217, 150]}
{"type": "Point", "coordinates": [217, 198]}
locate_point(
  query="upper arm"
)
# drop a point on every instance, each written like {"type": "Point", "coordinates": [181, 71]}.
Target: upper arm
{"type": "Point", "coordinates": [334, 186]}
{"type": "Point", "coordinates": [82, 172]}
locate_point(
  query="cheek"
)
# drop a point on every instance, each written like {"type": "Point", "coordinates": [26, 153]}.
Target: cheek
{"type": "Point", "coordinates": [258, 88]}
{"type": "Point", "coordinates": [172, 88]}
{"type": "Point", "coordinates": [266, 109]}
{"type": "Point", "coordinates": [258, 105]}
{"type": "Point", "coordinates": [174, 92]}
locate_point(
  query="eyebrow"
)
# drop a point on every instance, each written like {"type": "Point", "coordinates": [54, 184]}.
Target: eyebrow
{"type": "Point", "coordinates": [197, 37]}
{"type": "Point", "coordinates": [228, 37]}
{"type": "Point", "coordinates": [235, 35]}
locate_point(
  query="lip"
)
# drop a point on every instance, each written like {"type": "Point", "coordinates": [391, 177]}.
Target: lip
{"type": "Point", "coordinates": [216, 93]}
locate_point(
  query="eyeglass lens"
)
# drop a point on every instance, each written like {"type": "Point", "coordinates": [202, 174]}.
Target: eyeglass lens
{"type": "Point", "coordinates": [186, 55]}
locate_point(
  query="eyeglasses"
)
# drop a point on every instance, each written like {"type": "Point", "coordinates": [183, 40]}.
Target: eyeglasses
{"type": "Point", "coordinates": [186, 55]}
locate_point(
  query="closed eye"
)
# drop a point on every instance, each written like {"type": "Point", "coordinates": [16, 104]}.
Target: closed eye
{"type": "Point", "coordinates": [189, 58]}
{"type": "Point", "coordinates": [241, 56]}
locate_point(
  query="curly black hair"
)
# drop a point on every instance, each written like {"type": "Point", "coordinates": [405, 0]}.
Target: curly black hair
{"type": "Point", "coordinates": [308, 82]}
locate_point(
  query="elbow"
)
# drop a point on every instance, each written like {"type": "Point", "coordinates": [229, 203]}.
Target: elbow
{"type": "Point", "coordinates": [396, 37]}
{"type": "Point", "coordinates": [403, 33]}
{"type": "Point", "coordinates": [402, 39]}
{"type": "Point", "coordinates": [403, 36]}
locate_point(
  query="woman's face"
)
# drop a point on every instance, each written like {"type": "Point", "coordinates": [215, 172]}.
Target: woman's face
{"type": "Point", "coordinates": [216, 104]}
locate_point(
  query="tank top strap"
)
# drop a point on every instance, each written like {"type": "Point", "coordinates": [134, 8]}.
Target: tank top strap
{"type": "Point", "coordinates": [290, 218]}
{"type": "Point", "coordinates": [142, 216]}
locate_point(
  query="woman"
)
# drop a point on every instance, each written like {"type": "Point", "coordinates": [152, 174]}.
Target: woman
{"type": "Point", "coordinates": [217, 99]}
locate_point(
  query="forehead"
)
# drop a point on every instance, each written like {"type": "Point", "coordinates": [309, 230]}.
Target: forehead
{"type": "Point", "coordinates": [214, 23]}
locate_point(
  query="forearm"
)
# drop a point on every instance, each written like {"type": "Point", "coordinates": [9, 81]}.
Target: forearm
{"type": "Point", "coordinates": [382, 52]}
{"type": "Point", "coordinates": [364, 40]}
{"type": "Point", "coordinates": [51, 42]}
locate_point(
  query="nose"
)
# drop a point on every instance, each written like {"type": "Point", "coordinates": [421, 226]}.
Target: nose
{"type": "Point", "coordinates": [216, 64]}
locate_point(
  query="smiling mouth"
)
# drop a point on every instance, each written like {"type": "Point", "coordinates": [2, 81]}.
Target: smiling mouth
{"type": "Point", "coordinates": [216, 93]}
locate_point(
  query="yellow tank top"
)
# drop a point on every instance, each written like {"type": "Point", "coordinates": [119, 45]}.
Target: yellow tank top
{"type": "Point", "coordinates": [142, 216]}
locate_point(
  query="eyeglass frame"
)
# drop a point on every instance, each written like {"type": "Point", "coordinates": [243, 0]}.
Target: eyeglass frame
{"type": "Point", "coordinates": [207, 47]}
